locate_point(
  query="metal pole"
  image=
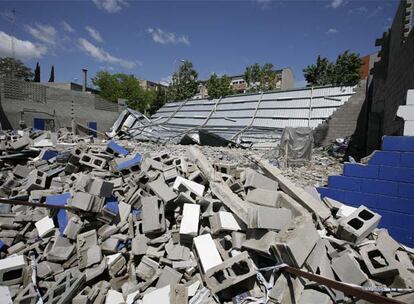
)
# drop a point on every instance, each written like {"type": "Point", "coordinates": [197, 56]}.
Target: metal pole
{"type": "Point", "coordinates": [310, 107]}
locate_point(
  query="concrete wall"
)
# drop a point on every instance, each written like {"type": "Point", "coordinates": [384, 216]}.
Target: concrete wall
{"type": "Point", "coordinates": [20, 100]}
{"type": "Point", "coordinates": [343, 121]}
{"type": "Point", "coordinates": [393, 75]}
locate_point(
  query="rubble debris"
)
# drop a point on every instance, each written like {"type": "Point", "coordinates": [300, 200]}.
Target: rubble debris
{"type": "Point", "coordinates": [87, 221]}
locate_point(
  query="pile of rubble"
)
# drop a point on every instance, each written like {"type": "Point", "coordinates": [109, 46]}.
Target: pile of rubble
{"type": "Point", "coordinates": [84, 222]}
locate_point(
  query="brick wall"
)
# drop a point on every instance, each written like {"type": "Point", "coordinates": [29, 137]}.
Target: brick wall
{"type": "Point", "coordinates": [385, 185]}
{"type": "Point", "coordinates": [57, 104]}
{"type": "Point", "coordinates": [393, 75]}
{"type": "Point", "coordinates": [343, 121]}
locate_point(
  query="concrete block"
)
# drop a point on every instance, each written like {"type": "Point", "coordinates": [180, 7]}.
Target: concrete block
{"type": "Point", "coordinates": [348, 270]}
{"type": "Point", "coordinates": [358, 225]}
{"type": "Point", "coordinates": [314, 296]}
{"type": "Point", "coordinates": [93, 161]}
{"type": "Point", "coordinates": [36, 180]}
{"type": "Point", "coordinates": [12, 270]}
{"type": "Point", "coordinates": [45, 226]}
{"type": "Point", "coordinates": [129, 165]}
{"type": "Point", "coordinates": [20, 143]}
{"type": "Point", "coordinates": [139, 245]}
{"type": "Point", "coordinates": [345, 183]}
{"type": "Point", "coordinates": [223, 221]}
{"type": "Point", "coordinates": [73, 228]}
{"type": "Point", "coordinates": [380, 265]}
{"type": "Point", "coordinates": [89, 253]}
{"type": "Point", "coordinates": [100, 187]}
{"type": "Point", "coordinates": [263, 197]}
{"type": "Point", "coordinates": [407, 160]}
{"type": "Point", "coordinates": [385, 158]}
{"type": "Point", "coordinates": [230, 272]}
{"type": "Point", "coordinates": [286, 290]}
{"type": "Point", "coordinates": [207, 252]}
{"type": "Point", "coordinates": [153, 220]}
{"type": "Point", "coordinates": [398, 143]}
{"type": "Point", "coordinates": [168, 276]}
{"type": "Point", "coordinates": [159, 295]}
{"type": "Point", "coordinates": [114, 297]}
{"type": "Point", "coordinates": [61, 250]}
{"type": "Point", "coordinates": [27, 296]}
{"type": "Point", "coordinates": [270, 218]}
{"type": "Point", "coordinates": [397, 174]}
{"type": "Point", "coordinates": [182, 185]}
{"type": "Point", "coordinates": [5, 296]}
{"type": "Point", "coordinates": [253, 179]}
{"type": "Point", "coordinates": [114, 148]}
{"type": "Point", "coordinates": [147, 268]}
{"type": "Point", "coordinates": [21, 171]}
{"type": "Point", "coordinates": [294, 244]}
{"type": "Point", "coordinates": [364, 171]}
{"type": "Point", "coordinates": [160, 189]}
{"type": "Point", "coordinates": [87, 202]}
{"type": "Point", "coordinates": [190, 221]}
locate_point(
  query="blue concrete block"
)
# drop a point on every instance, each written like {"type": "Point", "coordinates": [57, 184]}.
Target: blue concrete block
{"type": "Point", "coordinates": [62, 218]}
{"type": "Point", "coordinates": [345, 183]}
{"type": "Point", "coordinates": [407, 160]}
{"type": "Point", "coordinates": [385, 158]}
{"type": "Point", "coordinates": [59, 199]}
{"type": "Point", "coordinates": [397, 204]}
{"type": "Point", "coordinates": [358, 170]}
{"type": "Point", "coordinates": [3, 246]}
{"type": "Point", "coordinates": [49, 154]}
{"type": "Point", "coordinates": [379, 187]}
{"type": "Point", "coordinates": [396, 174]}
{"type": "Point", "coordinates": [352, 198]}
{"type": "Point", "coordinates": [396, 219]}
{"type": "Point", "coordinates": [398, 143]}
{"type": "Point", "coordinates": [117, 149]}
{"type": "Point", "coordinates": [401, 235]}
{"type": "Point", "coordinates": [130, 163]}
{"type": "Point", "coordinates": [405, 190]}
{"type": "Point", "coordinates": [112, 205]}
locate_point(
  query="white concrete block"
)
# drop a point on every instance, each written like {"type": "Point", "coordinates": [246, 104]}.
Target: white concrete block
{"type": "Point", "coordinates": [406, 112]}
{"type": "Point", "coordinates": [192, 289]}
{"type": "Point", "coordinates": [112, 258]}
{"type": "Point", "coordinates": [131, 297]}
{"type": "Point", "coordinates": [410, 97]}
{"type": "Point", "coordinates": [11, 270]}
{"type": "Point", "coordinates": [124, 211]}
{"type": "Point", "coordinates": [114, 297]}
{"type": "Point", "coordinates": [158, 296]}
{"type": "Point", "coordinates": [5, 297]}
{"type": "Point", "coordinates": [409, 128]}
{"type": "Point", "coordinates": [227, 221]}
{"type": "Point", "coordinates": [191, 216]}
{"type": "Point", "coordinates": [207, 251]}
{"type": "Point", "coordinates": [345, 211]}
{"type": "Point", "coordinates": [44, 226]}
{"type": "Point", "coordinates": [193, 186]}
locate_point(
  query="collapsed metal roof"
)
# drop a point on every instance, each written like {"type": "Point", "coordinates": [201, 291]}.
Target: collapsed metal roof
{"type": "Point", "coordinates": [255, 120]}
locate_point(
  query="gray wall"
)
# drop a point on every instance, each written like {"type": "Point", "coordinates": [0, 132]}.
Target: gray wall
{"type": "Point", "coordinates": [22, 100]}
{"type": "Point", "coordinates": [393, 75]}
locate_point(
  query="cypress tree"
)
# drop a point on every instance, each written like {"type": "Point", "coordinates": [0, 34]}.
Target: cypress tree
{"type": "Point", "coordinates": [52, 74]}
{"type": "Point", "coordinates": [37, 73]}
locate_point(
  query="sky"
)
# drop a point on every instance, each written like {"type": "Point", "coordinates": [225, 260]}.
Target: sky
{"type": "Point", "coordinates": [150, 38]}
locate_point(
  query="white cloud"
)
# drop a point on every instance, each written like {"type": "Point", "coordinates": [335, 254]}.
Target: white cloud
{"type": "Point", "coordinates": [67, 27]}
{"type": "Point", "coordinates": [264, 4]}
{"type": "Point", "coordinates": [359, 10]}
{"type": "Point", "coordinates": [94, 34]}
{"type": "Point", "coordinates": [111, 6]}
{"type": "Point", "coordinates": [23, 49]}
{"type": "Point", "coordinates": [163, 37]}
{"type": "Point", "coordinates": [43, 32]}
{"type": "Point", "coordinates": [336, 3]}
{"type": "Point", "coordinates": [7, 15]}
{"type": "Point", "coordinates": [331, 31]}
{"type": "Point", "coordinates": [103, 56]}
{"type": "Point", "coordinates": [166, 80]}
{"type": "Point", "coordinates": [375, 11]}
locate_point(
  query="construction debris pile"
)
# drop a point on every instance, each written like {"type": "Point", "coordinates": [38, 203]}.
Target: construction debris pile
{"type": "Point", "coordinates": [84, 222]}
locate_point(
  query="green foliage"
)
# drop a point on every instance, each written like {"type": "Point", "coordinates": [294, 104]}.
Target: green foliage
{"type": "Point", "coordinates": [344, 72]}
{"type": "Point", "coordinates": [37, 73]}
{"type": "Point", "coordinates": [52, 74]}
{"type": "Point", "coordinates": [184, 83]}
{"type": "Point", "coordinates": [159, 101]}
{"type": "Point", "coordinates": [219, 86]}
{"type": "Point", "coordinates": [124, 86]}
{"type": "Point", "coordinates": [10, 67]}
{"type": "Point", "coordinates": [260, 78]}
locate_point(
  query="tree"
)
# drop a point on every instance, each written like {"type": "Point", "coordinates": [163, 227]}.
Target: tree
{"type": "Point", "coordinates": [184, 82]}
{"type": "Point", "coordinates": [219, 86]}
{"type": "Point", "coordinates": [124, 86]}
{"type": "Point", "coordinates": [37, 73]}
{"type": "Point", "coordinates": [260, 78]}
{"type": "Point", "coordinates": [159, 100]}
{"type": "Point", "coordinates": [52, 74]}
{"type": "Point", "coordinates": [14, 68]}
{"type": "Point", "coordinates": [345, 71]}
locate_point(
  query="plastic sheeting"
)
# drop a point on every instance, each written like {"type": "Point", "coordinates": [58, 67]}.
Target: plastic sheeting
{"type": "Point", "coordinates": [296, 144]}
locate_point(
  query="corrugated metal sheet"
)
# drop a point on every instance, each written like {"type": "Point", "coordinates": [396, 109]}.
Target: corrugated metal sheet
{"type": "Point", "coordinates": [236, 117]}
